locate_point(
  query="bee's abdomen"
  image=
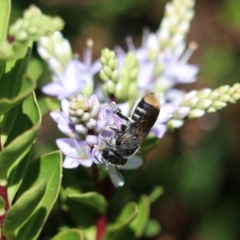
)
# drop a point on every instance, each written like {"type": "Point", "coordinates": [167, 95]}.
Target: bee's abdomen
{"type": "Point", "coordinates": [148, 104]}
{"type": "Point", "coordinates": [138, 113]}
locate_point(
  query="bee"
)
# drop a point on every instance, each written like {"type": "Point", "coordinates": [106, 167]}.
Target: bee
{"type": "Point", "coordinates": [126, 141]}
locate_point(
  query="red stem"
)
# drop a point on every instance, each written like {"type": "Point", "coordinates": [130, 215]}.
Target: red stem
{"type": "Point", "coordinates": [101, 226]}
{"type": "Point", "coordinates": [4, 195]}
{"type": "Point", "coordinates": [106, 188]}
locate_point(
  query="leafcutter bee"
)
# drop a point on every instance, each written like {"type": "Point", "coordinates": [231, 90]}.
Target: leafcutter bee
{"type": "Point", "coordinates": [126, 141]}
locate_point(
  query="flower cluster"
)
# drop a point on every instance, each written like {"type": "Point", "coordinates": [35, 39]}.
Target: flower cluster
{"type": "Point", "coordinates": [87, 114]}
{"type": "Point", "coordinates": [31, 27]}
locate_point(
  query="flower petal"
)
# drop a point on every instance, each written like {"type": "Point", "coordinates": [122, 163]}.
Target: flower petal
{"type": "Point", "coordinates": [70, 162]}
{"type": "Point", "coordinates": [159, 130]}
{"type": "Point", "coordinates": [53, 89]}
{"type": "Point", "coordinates": [67, 146]}
{"type": "Point", "coordinates": [91, 140]}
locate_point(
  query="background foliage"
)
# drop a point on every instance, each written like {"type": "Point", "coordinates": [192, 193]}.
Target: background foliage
{"type": "Point", "coordinates": [198, 165]}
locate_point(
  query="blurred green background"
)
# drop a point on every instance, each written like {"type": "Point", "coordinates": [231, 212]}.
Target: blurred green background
{"type": "Point", "coordinates": [199, 164]}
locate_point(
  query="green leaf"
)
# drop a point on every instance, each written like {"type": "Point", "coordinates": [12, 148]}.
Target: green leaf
{"type": "Point", "coordinates": [47, 104]}
{"type": "Point", "coordinates": [2, 67]}
{"type": "Point", "coordinates": [17, 172]}
{"type": "Point", "coordinates": [69, 234]}
{"type": "Point", "coordinates": [7, 123]}
{"type": "Point", "coordinates": [28, 116]}
{"type": "Point", "coordinates": [27, 86]}
{"type": "Point", "coordinates": [14, 150]}
{"type": "Point", "coordinates": [119, 229]}
{"type": "Point", "coordinates": [82, 215]}
{"type": "Point", "coordinates": [48, 167]}
{"type": "Point", "coordinates": [156, 193]}
{"type": "Point", "coordinates": [35, 69]}
{"type": "Point", "coordinates": [16, 86]}
{"type": "Point", "coordinates": [139, 222]}
{"type": "Point", "coordinates": [152, 228]}
{"type": "Point", "coordinates": [2, 205]}
{"type": "Point", "coordinates": [23, 208]}
{"type": "Point", "coordinates": [5, 6]}
{"type": "Point", "coordinates": [92, 199]}
{"type": "Point", "coordinates": [22, 136]}
{"type": "Point", "coordinates": [148, 145]}
{"type": "Point", "coordinates": [125, 217]}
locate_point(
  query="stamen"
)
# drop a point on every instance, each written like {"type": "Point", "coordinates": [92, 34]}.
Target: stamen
{"type": "Point", "coordinates": [88, 52]}
{"type": "Point", "coordinates": [113, 104]}
{"type": "Point", "coordinates": [192, 46]}
{"type": "Point", "coordinates": [71, 135]}
{"type": "Point", "coordinates": [130, 45]}
{"type": "Point", "coordinates": [96, 147]}
{"type": "Point", "coordinates": [76, 56]}
{"type": "Point", "coordinates": [119, 50]}
{"type": "Point", "coordinates": [145, 35]}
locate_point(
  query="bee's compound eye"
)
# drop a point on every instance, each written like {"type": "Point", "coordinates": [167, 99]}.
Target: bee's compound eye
{"type": "Point", "coordinates": [105, 153]}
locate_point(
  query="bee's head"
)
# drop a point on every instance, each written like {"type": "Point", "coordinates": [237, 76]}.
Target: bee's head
{"type": "Point", "coordinates": [109, 155]}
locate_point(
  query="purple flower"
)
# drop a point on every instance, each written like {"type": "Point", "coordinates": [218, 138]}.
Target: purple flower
{"type": "Point", "coordinates": [174, 69]}
{"type": "Point", "coordinates": [76, 152]}
{"type": "Point", "coordinates": [177, 71]}
{"type": "Point", "coordinates": [67, 84]}
{"type": "Point", "coordinates": [170, 102]}
{"type": "Point", "coordinates": [77, 76]}
{"type": "Point", "coordinates": [63, 121]}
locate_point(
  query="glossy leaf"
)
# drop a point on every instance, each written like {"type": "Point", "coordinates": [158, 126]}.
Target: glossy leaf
{"type": "Point", "coordinates": [82, 215]}
{"type": "Point", "coordinates": [27, 86]}
{"type": "Point", "coordinates": [5, 6]}
{"type": "Point", "coordinates": [16, 86]}
{"type": "Point", "coordinates": [23, 208]}
{"type": "Point", "coordinates": [156, 193]}
{"type": "Point", "coordinates": [21, 136]}
{"type": "Point", "coordinates": [125, 217]}
{"type": "Point", "coordinates": [148, 145]}
{"type": "Point", "coordinates": [2, 67]}
{"type": "Point", "coordinates": [28, 116]}
{"type": "Point", "coordinates": [119, 229]}
{"type": "Point", "coordinates": [92, 199]}
{"type": "Point", "coordinates": [8, 121]}
{"type": "Point", "coordinates": [16, 173]}
{"type": "Point", "coordinates": [47, 104]}
{"type": "Point", "coordinates": [2, 204]}
{"type": "Point", "coordinates": [35, 69]}
{"type": "Point", "coordinates": [139, 222]}
{"type": "Point", "coordinates": [69, 234]}
{"type": "Point", "coordinates": [14, 150]}
{"type": "Point", "coordinates": [152, 228]}
{"type": "Point", "coordinates": [48, 167]}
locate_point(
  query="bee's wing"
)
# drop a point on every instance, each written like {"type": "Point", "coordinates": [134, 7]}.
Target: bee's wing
{"type": "Point", "coordinates": [115, 175]}
{"type": "Point", "coordinates": [140, 128]}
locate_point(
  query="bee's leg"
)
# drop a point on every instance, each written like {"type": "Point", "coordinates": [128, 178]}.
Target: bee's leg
{"type": "Point", "coordinates": [123, 128]}
{"type": "Point", "coordinates": [106, 142]}
{"type": "Point", "coordinates": [113, 129]}
{"type": "Point", "coordinates": [98, 160]}
{"type": "Point", "coordinates": [119, 113]}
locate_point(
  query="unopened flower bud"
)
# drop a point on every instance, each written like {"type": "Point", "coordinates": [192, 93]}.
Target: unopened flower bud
{"type": "Point", "coordinates": [174, 123]}
{"type": "Point", "coordinates": [196, 113]}
{"type": "Point", "coordinates": [86, 116]}
{"type": "Point", "coordinates": [91, 123]}
{"type": "Point", "coordinates": [81, 128]}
